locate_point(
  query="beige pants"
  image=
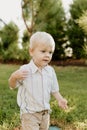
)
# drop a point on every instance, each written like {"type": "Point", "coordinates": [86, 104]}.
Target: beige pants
{"type": "Point", "coordinates": [35, 121]}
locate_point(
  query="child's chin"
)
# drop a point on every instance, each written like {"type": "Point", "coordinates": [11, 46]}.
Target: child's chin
{"type": "Point", "coordinates": [45, 64]}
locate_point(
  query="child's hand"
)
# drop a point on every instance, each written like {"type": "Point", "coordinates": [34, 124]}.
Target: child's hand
{"type": "Point", "coordinates": [20, 74]}
{"type": "Point", "coordinates": [63, 103]}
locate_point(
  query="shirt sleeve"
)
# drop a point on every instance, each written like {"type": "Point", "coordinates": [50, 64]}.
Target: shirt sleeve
{"type": "Point", "coordinates": [55, 85]}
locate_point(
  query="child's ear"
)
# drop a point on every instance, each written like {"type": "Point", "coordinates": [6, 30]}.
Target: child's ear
{"type": "Point", "coordinates": [31, 52]}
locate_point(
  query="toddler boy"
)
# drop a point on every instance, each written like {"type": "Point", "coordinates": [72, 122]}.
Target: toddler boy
{"type": "Point", "coordinates": [36, 81]}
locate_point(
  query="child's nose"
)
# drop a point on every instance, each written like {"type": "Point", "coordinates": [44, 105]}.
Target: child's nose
{"type": "Point", "coordinates": [48, 54]}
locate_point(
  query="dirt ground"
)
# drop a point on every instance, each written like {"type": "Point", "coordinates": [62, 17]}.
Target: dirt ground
{"type": "Point", "coordinates": [72, 62]}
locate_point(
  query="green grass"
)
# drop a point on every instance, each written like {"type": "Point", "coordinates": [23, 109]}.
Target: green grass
{"type": "Point", "coordinates": [9, 111]}
{"type": "Point", "coordinates": [73, 86]}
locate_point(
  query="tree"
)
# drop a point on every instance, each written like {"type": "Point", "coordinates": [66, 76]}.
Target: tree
{"type": "Point", "coordinates": [8, 41]}
{"type": "Point", "coordinates": [75, 33]}
{"type": "Point", "coordinates": [8, 35]}
{"type": "Point", "coordinates": [49, 16]}
{"type": "Point", "coordinates": [82, 21]}
{"type": "Point", "coordinates": [25, 45]}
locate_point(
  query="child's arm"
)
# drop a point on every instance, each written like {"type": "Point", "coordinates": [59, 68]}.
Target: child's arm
{"type": "Point", "coordinates": [16, 76]}
{"type": "Point", "coordinates": [61, 101]}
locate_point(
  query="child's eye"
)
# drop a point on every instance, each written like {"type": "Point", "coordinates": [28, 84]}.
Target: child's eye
{"type": "Point", "coordinates": [43, 51]}
{"type": "Point", "coordinates": [50, 52]}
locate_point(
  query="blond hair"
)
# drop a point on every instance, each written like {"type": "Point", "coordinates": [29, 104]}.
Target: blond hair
{"type": "Point", "coordinates": [41, 37]}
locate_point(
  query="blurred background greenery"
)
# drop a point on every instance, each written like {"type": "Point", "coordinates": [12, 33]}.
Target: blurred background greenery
{"type": "Point", "coordinates": [69, 33]}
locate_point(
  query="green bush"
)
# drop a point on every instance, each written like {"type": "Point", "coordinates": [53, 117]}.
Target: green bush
{"type": "Point", "coordinates": [15, 54]}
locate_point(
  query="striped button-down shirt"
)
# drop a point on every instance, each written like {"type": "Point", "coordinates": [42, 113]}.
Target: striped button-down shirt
{"type": "Point", "coordinates": [35, 90]}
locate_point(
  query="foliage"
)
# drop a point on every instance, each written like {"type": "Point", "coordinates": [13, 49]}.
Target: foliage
{"type": "Point", "coordinates": [75, 33]}
{"type": "Point", "coordinates": [9, 49]}
{"type": "Point", "coordinates": [47, 15]}
{"type": "Point", "coordinates": [8, 41]}
{"type": "Point", "coordinates": [72, 87]}
{"type": "Point", "coordinates": [25, 39]}
{"type": "Point", "coordinates": [20, 55]}
{"type": "Point", "coordinates": [8, 35]}
{"type": "Point", "coordinates": [82, 21]}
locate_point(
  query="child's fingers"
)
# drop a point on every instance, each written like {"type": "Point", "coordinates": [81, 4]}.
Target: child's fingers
{"type": "Point", "coordinates": [24, 74]}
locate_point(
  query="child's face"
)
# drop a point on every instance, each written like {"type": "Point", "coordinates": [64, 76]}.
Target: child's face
{"type": "Point", "coordinates": [42, 54]}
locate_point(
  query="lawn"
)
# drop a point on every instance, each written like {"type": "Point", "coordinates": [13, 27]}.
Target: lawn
{"type": "Point", "coordinates": [73, 86]}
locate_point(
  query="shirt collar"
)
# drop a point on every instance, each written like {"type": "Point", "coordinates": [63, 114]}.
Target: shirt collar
{"type": "Point", "coordinates": [34, 68]}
